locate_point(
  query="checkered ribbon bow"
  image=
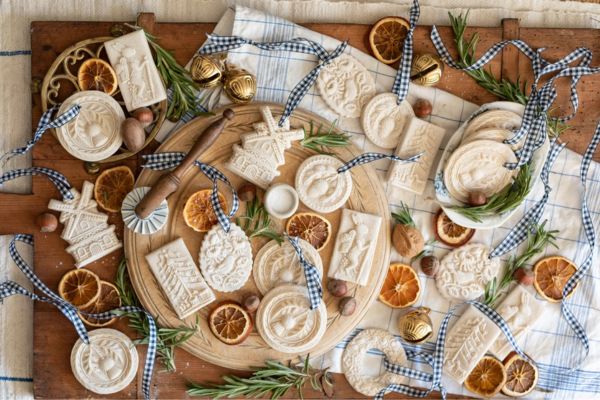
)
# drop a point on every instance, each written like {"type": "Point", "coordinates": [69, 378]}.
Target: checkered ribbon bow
{"type": "Point", "coordinates": [219, 44]}
{"type": "Point", "coordinates": [402, 80]}
{"type": "Point", "coordinates": [313, 279]}
{"type": "Point", "coordinates": [370, 157]}
{"type": "Point", "coordinates": [58, 179]}
{"type": "Point", "coordinates": [45, 123]}
{"type": "Point", "coordinates": [10, 288]}
{"type": "Point", "coordinates": [162, 161]}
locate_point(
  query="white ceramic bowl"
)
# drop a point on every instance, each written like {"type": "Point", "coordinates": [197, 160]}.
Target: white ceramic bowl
{"type": "Point", "coordinates": [281, 200]}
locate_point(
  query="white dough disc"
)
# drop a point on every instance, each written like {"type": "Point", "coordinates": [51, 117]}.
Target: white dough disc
{"type": "Point", "coordinates": [276, 265]}
{"type": "Point", "coordinates": [464, 272]}
{"type": "Point", "coordinates": [95, 134]}
{"type": "Point", "coordinates": [226, 258]}
{"type": "Point", "coordinates": [383, 120]}
{"type": "Point", "coordinates": [108, 364]}
{"type": "Point", "coordinates": [286, 323]}
{"type": "Point", "coordinates": [502, 119]}
{"type": "Point", "coordinates": [478, 167]}
{"type": "Point", "coordinates": [353, 361]}
{"type": "Point", "coordinates": [319, 185]}
{"type": "Point", "coordinates": [495, 134]}
{"type": "Point", "coordinates": [346, 86]}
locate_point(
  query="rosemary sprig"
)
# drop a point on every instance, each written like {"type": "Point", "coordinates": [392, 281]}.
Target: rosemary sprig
{"type": "Point", "coordinates": [537, 240]}
{"type": "Point", "coordinates": [506, 200]}
{"type": "Point", "coordinates": [167, 338]}
{"type": "Point", "coordinates": [403, 216]}
{"type": "Point", "coordinates": [257, 221]}
{"type": "Point", "coordinates": [427, 250]}
{"type": "Point", "coordinates": [321, 139]}
{"type": "Point", "coordinates": [274, 379]}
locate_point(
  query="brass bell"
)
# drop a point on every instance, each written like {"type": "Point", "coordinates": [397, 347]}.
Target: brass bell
{"type": "Point", "coordinates": [426, 69]}
{"type": "Point", "coordinates": [416, 327]}
{"type": "Point", "coordinates": [206, 71]}
{"type": "Point", "coordinates": [239, 85]}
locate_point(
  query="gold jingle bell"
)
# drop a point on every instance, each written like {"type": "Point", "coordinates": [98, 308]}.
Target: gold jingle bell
{"type": "Point", "coordinates": [426, 69]}
{"type": "Point", "coordinates": [239, 85]}
{"type": "Point", "coordinates": [416, 327]}
{"type": "Point", "coordinates": [206, 71]}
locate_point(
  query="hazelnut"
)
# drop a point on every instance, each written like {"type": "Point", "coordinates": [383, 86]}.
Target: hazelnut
{"type": "Point", "coordinates": [144, 115]}
{"type": "Point", "coordinates": [251, 303]}
{"type": "Point", "coordinates": [47, 222]}
{"type": "Point", "coordinates": [430, 265]}
{"type": "Point", "coordinates": [523, 276]}
{"type": "Point", "coordinates": [477, 199]}
{"type": "Point", "coordinates": [327, 385]}
{"type": "Point", "coordinates": [247, 192]}
{"type": "Point", "coordinates": [133, 134]}
{"type": "Point", "coordinates": [407, 241]}
{"type": "Point", "coordinates": [347, 306]}
{"type": "Point", "coordinates": [422, 108]}
{"type": "Point", "coordinates": [337, 287]}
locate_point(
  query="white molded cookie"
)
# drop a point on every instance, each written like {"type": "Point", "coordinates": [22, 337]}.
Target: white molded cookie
{"type": "Point", "coordinates": [464, 272]}
{"type": "Point", "coordinates": [226, 258]}
{"type": "Point", "coordinates": [496, 134]}
{"type": "Point", "coordinates": [95, 133]}
{"type": "Point", "coordinates": [286, 323]}
{"type": "Point", "coordinates": [353, 361]}
{"type": "Point", "coordinates": [108, 364]}
{"type": "Point", "coordinates": [502, 119]}
{"type": "Point", "coordinates": [346, 86]}
{"type": "Point", "coordinates": [319, 185]}
{"type": "Point", "coordinates": [383, 120]}
{"type": "Point", "coordinates": [478, 167]}
{"type": "Point", "coordinates": [277, 264]}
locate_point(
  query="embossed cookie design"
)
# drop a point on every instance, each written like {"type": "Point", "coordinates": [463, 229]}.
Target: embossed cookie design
{"type": "Point", "coordinates": [383, 120]}
{"type": "Point", "coordinates": [319, 185]}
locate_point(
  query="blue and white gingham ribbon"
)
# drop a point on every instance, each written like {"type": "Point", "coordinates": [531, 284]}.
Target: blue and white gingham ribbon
{"type": "Point", "coordinates": [313, 279]}
{"type": "Point", "coordinates": [162, 161]}
{"type": "Point", "coordinates": [10, 288]}
{"type": "Point", "coordinates": [219, 44]}
{"type": "Point", "coordinates": [45, 123]}
{"type": "Point", "coordinates": [402, 80]}
{"type": "Point", "coordinates": [58, 179]}
{"type": "Point", "coordinates": [370, 157]}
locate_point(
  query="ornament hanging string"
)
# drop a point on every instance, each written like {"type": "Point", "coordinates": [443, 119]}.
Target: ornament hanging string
{"type": "Point", "coordinates": [370, 157]}
{"type": "Point", "coordinates": [162, 161]}
{"type": "Point", "coordinates": [313, 278]}
{"type": "Point", "coordinates": [58, 179]}
{"type": "Point", "coordinates": [402, 80]}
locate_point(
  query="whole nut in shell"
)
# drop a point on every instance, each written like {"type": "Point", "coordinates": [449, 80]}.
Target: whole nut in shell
{"type": "Point", "coordinates": [477, 199]}
{"type": "Point", "coordinates": [133, 134]}
{"type": "Point", "coordinates": [337, 287]}
{"type": "Point", "coordinates": [247, 192]}
{"type": "Point", "coordinates": [47, 222]}
{"type": "Point", "coordinates": [430, 265]}
{"type": "Point", "coordinates": [251, 303]}
{"type": "Point", "coordinates": [144, 115]}
{"type": "Point", "coordinates": [415, 326]}
{"type": "Point", "coordinates": [407, 240]}
{"type": "Point", "coordinates": [524, 276]}
{"type": "Point", "coordinates": [422, 108]}
{"type": "Point", "coordinates": [347, 306]}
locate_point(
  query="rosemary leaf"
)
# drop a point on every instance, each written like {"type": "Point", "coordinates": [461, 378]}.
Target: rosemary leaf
{"type": "Point", "coordinates": [321, 139]}
{"type": "Point", "coordinates": [403, 216]}
{"type": "Point", "coordinates": [257, 222]}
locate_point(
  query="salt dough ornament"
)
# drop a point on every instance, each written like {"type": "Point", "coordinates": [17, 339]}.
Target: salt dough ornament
{"type": "Point", "coordinates": [86, 229]}
{"type": "Point", "coordinates": [285, 321]}
{"type": "Point", "coordinates": [108, 364]}
{"type": "Point", "coordinates": [499, 119]}
{"type": "Point", "coordinates": [226, 258]}
{"type": "Point", "coordinates": [179, 278]}
{"type": "Point", "coordinates": [479, 167]}
{"type": "Point", "coordinates": [319, 185]}
{"type": "Point", "coordinates": [496, 134]}
{"type": "Point", "coordinates": [139, 81]}
{"type": "Point", "coordinates": [383, 120]}
{"type": "Point", "coordinates": [346, 86]}
{"type": "Point", "coordinates": [464, 272]}
{"type": "Point", "coordinates": [277, 264]}
{"type": "Point", "coordinates": [263, 150]}
{"type": "Point", "coordinates": [95, 133]}
{"type": "Point", "coordinates": [144, 226]}
{"type": "Point", "coordinates": [354, 361]}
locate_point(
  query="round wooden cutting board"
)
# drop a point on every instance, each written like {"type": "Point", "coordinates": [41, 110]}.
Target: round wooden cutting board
{"type": "Point", "coordinates": [367, 196]}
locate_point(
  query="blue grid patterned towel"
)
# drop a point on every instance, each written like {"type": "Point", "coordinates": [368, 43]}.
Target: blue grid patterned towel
{"type": "Point", "coordinates": [550, 342]}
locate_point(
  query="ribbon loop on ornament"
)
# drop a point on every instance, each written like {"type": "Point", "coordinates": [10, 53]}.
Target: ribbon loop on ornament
{"type": "Point", "coordinates": [370, 157]}
{"type": "Point", "coordinates": [402, 80]}
{"type": "Point", "coordinates": [311, 274]}
{"type": "Point", "coordinates": [58, 179]}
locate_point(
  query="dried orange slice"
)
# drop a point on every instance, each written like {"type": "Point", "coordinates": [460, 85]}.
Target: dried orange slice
{"type": "Point", "coordinates": [551, 274]}
{"type": "Point", "coordinates": [80, 287]}
{"type": "Point", "coordinates": [311, 227]}
{"type": "Point", "coordinates": [230, 323]}
{"type": "Point", "coordinates": [449, 232]}
{"type": "Point", "coordinates": [198, 211]}
{"type": "Point", "coordinates": [487, 378]}
{"type": "Point", "coordinates": [112, 185]}
{"type": "Point", "coordinates": [401, 287]}
{"type": "Point", "coordinates": [106, 301]}
{"type": "Point", "coordinates": [521, 376]}
{"type": "Point", "coordinates": [387, 38]}
{"type": "Point", "coordinates": [97, 74]}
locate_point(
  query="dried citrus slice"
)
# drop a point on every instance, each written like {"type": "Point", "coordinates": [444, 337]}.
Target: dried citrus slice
{"type": "Point", "coordinates": [551, 274]}
{"type": "Point", "coordinates": [230, 323]}
{"type": "Point", "coordinates": [311, 227]}
{"type": "Point", "coordinates": [387, 38]}
{"type": "Point", "coordinates": [487, 378]}
{"type": "Point", "coordinates": [401, 287]}
{"type": "Point", "coordinates": [198, 211]}
{"type": "Point", "coordinates": [80, 287]}
{"type": "Point", "coordinates": [449, 232]}
{"type": "Point", "coordinates": [97, 74]}
{"type": "Point", "coordinates": [106, 301]}
{"type": "Point", "coordinates": [521, 376]}
{"type": "Point", "coordinates": [111, 187]}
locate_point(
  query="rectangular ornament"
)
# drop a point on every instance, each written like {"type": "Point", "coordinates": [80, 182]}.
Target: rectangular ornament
{"type": "Point", "coordinates": [137, 75]}
{"type": "Point", "coordinates": [354, 247]}
{"type": "Point", "coordinates": [180, 279]}
{"type": "Point", "coordinates": [419, 136]}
